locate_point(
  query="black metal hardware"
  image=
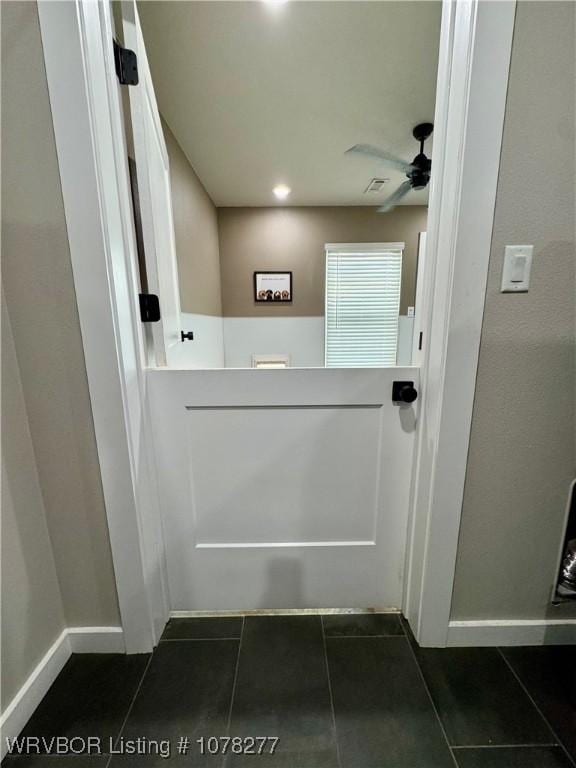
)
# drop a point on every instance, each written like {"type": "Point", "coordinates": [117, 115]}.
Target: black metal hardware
{"type": "Point", "coordinates": [403, 392]}
{"type": "Point", "coordinates": [149, 308]}
{"type": "Point", "coordinates": [126, 65]}
{"type": "Point", "coordinates": [188, 336]}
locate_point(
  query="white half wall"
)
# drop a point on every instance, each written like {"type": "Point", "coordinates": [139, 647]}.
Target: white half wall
{"type": "Point", "coordinates": [405, 333]}
{"type": "Point", "coordinates": [300, 337]}
{"type": "Point", "coordinates": [207, 349]}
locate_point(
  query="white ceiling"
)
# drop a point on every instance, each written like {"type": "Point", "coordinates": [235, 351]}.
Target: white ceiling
{"type": "Point", "coordinates": [259, 94]}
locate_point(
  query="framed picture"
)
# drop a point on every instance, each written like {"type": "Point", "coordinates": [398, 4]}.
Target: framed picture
{"type": "Point", "coordinates": [273, 286]}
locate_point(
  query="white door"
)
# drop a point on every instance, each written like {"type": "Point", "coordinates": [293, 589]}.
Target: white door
{"type": "Point", "coordinates": [153, 172]}
{"type": "Point", "coordinates": [283, 488]}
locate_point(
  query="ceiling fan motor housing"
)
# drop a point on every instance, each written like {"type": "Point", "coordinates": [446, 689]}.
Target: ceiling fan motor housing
{"type": "Point", "coordinates": [420, 174]}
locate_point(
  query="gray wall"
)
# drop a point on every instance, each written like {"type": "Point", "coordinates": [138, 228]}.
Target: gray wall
{"type": "Point", "coordinates": [522, 451]}
{"type": "Point", "coordinates": [32, 611]}
{"type": "Point", "coordinates": [39, 290]}
{"type": "Point", "coordinates": [196, 234]}
{"type": "Point", "coordinates": [293, 239]}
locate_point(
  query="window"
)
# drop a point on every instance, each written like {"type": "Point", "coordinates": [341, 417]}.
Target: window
{"type": "Point", "coordinates": [362, 304]}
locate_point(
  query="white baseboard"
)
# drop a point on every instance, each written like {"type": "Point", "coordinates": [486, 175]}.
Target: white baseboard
{"type": "Point", "coordinates": [97, 640]}
{"type": "Point", "coordinates": [520, 632]}
{"type": "Point", "coordinates": [72, 640]}
{"type": "Point", "coordinates": [20, 709]}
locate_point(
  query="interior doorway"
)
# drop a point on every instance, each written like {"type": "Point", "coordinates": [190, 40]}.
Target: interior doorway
{"type": "Point", "coordinates": [460, 40]}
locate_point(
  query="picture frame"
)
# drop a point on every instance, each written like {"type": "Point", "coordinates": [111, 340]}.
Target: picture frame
{"type": "Point", "coordinates": [273, 287]}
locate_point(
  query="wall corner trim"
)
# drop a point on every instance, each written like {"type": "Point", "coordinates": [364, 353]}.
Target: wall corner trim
{"type": "Point", "coordinates": [512, 632]}
{"type": "Point", "coordinates": [71, 640]}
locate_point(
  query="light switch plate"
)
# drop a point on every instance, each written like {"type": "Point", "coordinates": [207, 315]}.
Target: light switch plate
{"type": "Point", "coordinates": [517, 267]}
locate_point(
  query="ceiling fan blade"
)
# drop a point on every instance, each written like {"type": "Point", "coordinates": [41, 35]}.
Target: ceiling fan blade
{"type": "Point", "coordinates": [395, 197]}
{"type": "Point", "coordinates": [382, 155]}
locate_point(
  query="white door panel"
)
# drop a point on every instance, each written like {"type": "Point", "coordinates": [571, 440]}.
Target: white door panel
{"type": "Point", "coordinates": [283, 489]}
{"type": "Point", "coordinates": [153, 172]}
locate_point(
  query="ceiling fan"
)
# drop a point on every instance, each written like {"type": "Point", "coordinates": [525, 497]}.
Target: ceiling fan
{"type": "Point", "coordinates": [418, 171]}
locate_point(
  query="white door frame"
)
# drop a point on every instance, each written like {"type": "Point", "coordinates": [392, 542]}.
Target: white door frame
{"type": "Point", "coordinates": [475, 51]}
{"type": "Point", "coordinates": [90, 143]}
{"type": "Point", "coordinates": [475, 48]}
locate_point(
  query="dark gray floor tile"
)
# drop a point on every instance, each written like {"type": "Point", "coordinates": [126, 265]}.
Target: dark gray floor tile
{"type": "Point", "coordinates": [203, 628]}
{"type": "Point", "coordinates": [549, 675]}
{"type": "Point", "coordinates": [90, 697]}
{"type": "Point", "coordinates": [282, 690]}
{"type": "Point", "coordinates": [384, 716]}
{"type": "Point", "coordinates": [156, 761]}
{"type": "Point", "coordinates": [187, 691]}
{"type": "Point", "coordinates": [478, 698]}
{"type": "Point", "coordinates": [362, 624]}
{"type": "Point", "coordinates": [512, 757]}
{"type": "Point", "coordinates": [55, 761]}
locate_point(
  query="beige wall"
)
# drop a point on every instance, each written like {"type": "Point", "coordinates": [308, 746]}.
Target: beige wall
{"type": "Point", "coordinates": [32, 612]}
{"type": "Point", "coordinates": [196, 233]}
{"type": "Point", "coordinates": [293, 239]}
{"type": "Point", "coordinates": [39, 289]}
{"type": "Point", "coordinates": [522, 452]}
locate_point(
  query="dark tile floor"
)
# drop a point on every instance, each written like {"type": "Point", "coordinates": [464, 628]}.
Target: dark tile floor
{"type": "Point", "coordinates": [340, 691]}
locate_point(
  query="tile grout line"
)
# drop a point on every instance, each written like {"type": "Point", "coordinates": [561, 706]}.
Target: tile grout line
{"type": "Point", "coordinates": [360, 637]}
{"type": "Point", "coordinates": [502, 746]}
{"type": "Point", "coordinates": [338, 760]}
{"type": "Point", "coordinates": [559, 741]}
{"type": "Point", "coordinates": [195, 639]}
{"type": "Point", "coordinates": [229, 723]}
{"type": "Point", "coordinates": [137, 691]}
{"type": "Point", "coordinates": [432, 702]}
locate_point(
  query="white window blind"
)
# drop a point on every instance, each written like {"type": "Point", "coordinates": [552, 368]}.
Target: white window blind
{"type": "Point", "coordinates": [362, 304]}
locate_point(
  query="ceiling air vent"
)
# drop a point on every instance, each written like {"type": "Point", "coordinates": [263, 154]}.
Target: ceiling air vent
{"type": "Point", "coordinates": [376, 185]}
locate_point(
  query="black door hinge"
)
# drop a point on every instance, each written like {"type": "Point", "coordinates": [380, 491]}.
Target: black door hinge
{"type": "Point", "coordinates": [126, 65]}
{"type": "Point", "coordinates": [149, 307]}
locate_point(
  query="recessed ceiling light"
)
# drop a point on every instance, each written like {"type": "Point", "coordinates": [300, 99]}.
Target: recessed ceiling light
{"type": "Point", "coordinates": [281, 191]}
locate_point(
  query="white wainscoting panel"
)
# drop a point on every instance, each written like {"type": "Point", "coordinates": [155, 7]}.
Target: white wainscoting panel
{"type": "Point", "coordinates": [300, 337]}
{"type": "Point", "coordinates": [207, 348]}
{"type": "Point", "coordinates": [405, 338]}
